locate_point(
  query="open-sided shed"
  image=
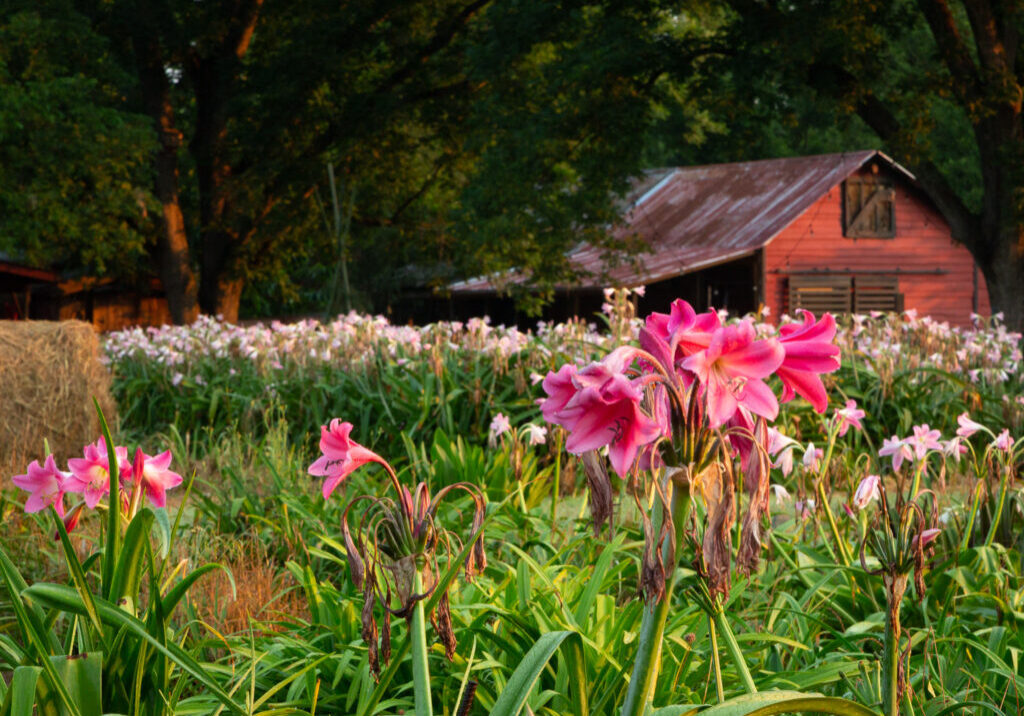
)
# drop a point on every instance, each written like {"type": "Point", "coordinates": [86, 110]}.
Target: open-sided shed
{"type": "Point", "coordinates": [33, 293]}
{"type": "Point", "coordinates": [840, 232]}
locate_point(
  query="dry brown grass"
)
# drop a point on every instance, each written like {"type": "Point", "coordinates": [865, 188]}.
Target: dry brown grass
{"type": "Point", "coordinates": [49, 373]}
{"type": "Point", "coordinates": [265, 594]}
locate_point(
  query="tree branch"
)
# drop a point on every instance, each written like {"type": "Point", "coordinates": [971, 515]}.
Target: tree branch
{"type": "Point", "coordinates": [988, 36]}
{"type": "Point", "coordinates": [962, 222]}
{"type": "Point", "coordinates": [246, 14]}
{"type": "Point", "coordinates": [951, 46]}
{"type": "Point", "coordinates": [441, 39]}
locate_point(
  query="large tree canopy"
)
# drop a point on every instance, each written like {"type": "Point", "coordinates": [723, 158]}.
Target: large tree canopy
{"type": "Point", "coordinates": [469, 136]}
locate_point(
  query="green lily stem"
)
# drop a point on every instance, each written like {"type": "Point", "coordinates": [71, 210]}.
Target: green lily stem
{"type": "Point", "coordinates": [716, 660]}
{"type": "Point", "coordinates": [556, 489]}
{"type": "Point", "coordinates": [833, 433]}
{"type": "Point", "coordinates": [732, 646]}
{"type": "Point", "coordinates": [891, 664]}
{"type": "Point", "coordinates": [652, 628]}
{"type": "Point", "coordinates": [997, 515]}
{"type": "Point", "coordinates": [833, 526]}
{"type": "Point", "coordinates": [916, 485]}
{"type": "Point", "coordinates": [420, 667]}
{"type": "Point", "coordinates": [969, 529]}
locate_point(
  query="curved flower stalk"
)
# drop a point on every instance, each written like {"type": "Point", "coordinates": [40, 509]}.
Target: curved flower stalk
{"type": "Point", "coordinates": [516, 440]}
{"type": "Point", "coordinates": [685, 407]}
{"type": "Point", "coordinates": [900, 536]}
{"type": "Point", "coordinates": [392, 553]}
{"type": "Point", "coordinates": [837, 426]}
{"type": "Point", "coordinates": [1001, 454]}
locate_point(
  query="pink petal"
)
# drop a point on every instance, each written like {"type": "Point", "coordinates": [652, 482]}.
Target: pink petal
{"type": "Point", "coordinates": [640, 431]}
{"type": "Point", "coordinates": [560, 389]}
{"type": "Point", "coordinates": [331, 483]}
{"type": "Point", "coordinates": [807, 384]}
{"type": "Point", "coordinates": [323, 467]}
{"type": "Point", "coordinates": [36, 503]}
{"type": "Point", "coordinates": [758, 398]}
{"type": "Point", "coordinates": [811, 355]}
{"type": "Point", "coordinates": [593, 422]}
{"type": "Point", "coordinates": [721, 403]}
{"type": "Point", "coordinates": [759, 359]}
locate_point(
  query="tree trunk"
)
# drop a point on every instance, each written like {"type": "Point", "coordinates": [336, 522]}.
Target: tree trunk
{"type": "Point", "coordinates": [215, 74]}
{"type": "Point", "coordinates": [172, 255]}
{"type": "Point", "coordinates": [1004, 277]}
{"type": "Point", "coordinates": [172, 259]}
{"type": "Point", "coordinates": [226, 295]}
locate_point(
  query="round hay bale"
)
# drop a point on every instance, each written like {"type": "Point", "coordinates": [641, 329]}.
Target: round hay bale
{"type": "Point", "coordinates": [50, 371]}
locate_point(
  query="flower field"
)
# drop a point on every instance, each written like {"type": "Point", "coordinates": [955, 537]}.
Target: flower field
{"type": "Point", "coordinates": [678, 513]}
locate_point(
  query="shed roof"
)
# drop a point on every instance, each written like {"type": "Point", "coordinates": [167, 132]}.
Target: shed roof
{"type": "Point", "coordinates": [696, 217]}
{"type": "Point", "coordinates": [15, 274]}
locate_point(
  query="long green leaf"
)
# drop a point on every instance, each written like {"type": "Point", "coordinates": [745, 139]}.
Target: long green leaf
{"type": "Point", "coordinates": [596, 581]}
{"type": "Point", "coordinates": [66, 599]}
{"type": "Point", "coordinates": [23, 690]}
{"type": "Point", "coordinates": [131, 560]}
{"type": "Point", "coordinates": [27, 614]}
{"type": "Point", "coordinates": [78, 576]}
{"type": "Point", "coordinates": [29, 617]}
{"type": "Point", "coordinates": [114, 502]}
{"type": "Point", "coordinates": [768, 703]}
{"type": "Point", "coordinates": [176, 593]}
{"type": "Point", "coordinates": [678, 710]}
{"type": "Point", "coordinates": [83, 676]}
{"type": "Point", "coordinates": [512, 699]}
{"type": "Point", "coordinates": [976, 704]}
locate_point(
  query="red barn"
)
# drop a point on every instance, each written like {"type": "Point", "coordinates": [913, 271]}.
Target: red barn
{"type": "Point", "coordinates": [840, 232]}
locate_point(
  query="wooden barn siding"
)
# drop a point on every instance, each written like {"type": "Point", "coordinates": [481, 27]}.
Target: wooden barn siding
{"type": "Point", "coordinates": [112, 312]}
{"type": "Point", "coordinates": [922, 243]}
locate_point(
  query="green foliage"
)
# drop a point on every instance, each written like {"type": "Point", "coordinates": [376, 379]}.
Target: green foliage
{"type": "Point", "coordinates": [90, 637]}
{"type": "Point", "coordinates": [74, 162]}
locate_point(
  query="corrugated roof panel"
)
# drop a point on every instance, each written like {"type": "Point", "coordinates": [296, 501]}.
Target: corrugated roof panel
{"type": "Point", "coordinates": [693, 217]}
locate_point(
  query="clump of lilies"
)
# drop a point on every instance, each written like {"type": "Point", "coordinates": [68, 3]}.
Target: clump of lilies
{"type": "Point", "coordinates": [392, 554]}
{"type": "Point", "coordinates": [686, 414]}
{"type": "Point", "coordinates": [89, 476]}
{"type": "Point", "coordinates": [117, 621]}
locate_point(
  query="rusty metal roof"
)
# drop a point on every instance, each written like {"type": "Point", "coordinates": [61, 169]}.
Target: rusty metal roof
{"type": "Point", "coordinates": [695, 217]}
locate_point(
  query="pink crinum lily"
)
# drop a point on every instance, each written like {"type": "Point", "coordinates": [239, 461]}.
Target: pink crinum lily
{"type": "Point", "coordinates": [46, 483]}
{"type": "Point", "coordinates": [867, 491]}
{"type": "Point", "coordinates": [90, 474]}
{"type": "Point", "coordinates": [923, 440]}
{"type": "Point", "coordinates": [967, 427]}
{"type": "Point", "coordinates": [341, 456]}
{"type": "Point", "coordinates": [810, 351]}
{"type": "Point", "coordinates": [393, 540]}
{"type": "Point", "coordinates": [898, 449]}
{"type": "Point", "coordinates": [603, 408]}
{"type": "Point", "coordinates": [732, 370]}
{"type": "Point", "coordinates": [849, 416]}
{"type": "Point", "coordinates": [155, 477]}
{"type": "Point", "coordinates": [680, 333]}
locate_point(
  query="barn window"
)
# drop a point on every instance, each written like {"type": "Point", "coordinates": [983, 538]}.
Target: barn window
{"type": "Point", "coordinates": [877, 293]}
{"type": "Point", "coordinates": [819, 294]}
{"type": "Point", "coordinates": [868, 208]}
{"type": "Point", "coordinates": [832, 293]}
